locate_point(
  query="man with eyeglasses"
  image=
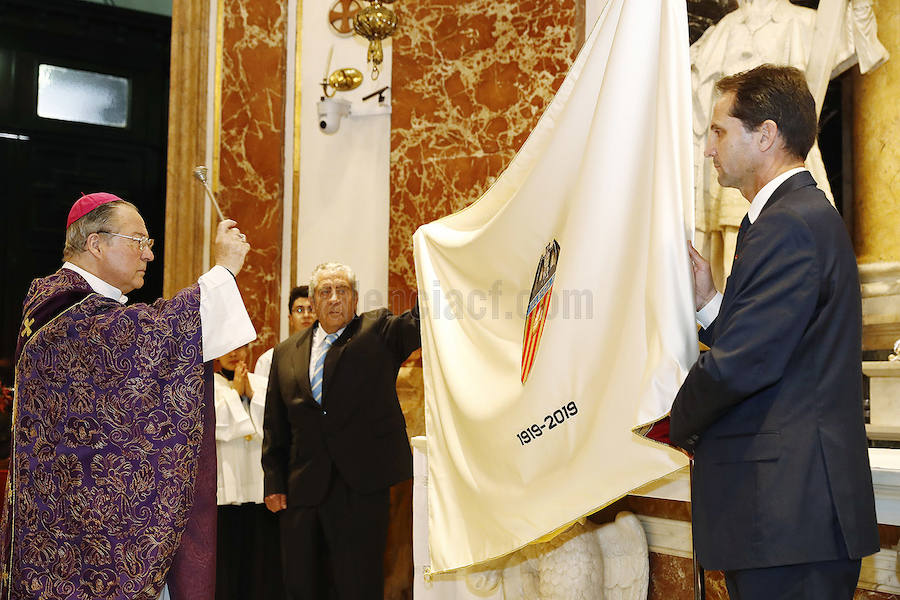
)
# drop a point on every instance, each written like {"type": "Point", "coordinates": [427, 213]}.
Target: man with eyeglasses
{"type": "Point", "coordinates": [334, 440]}
{"type": "Point", "coordinates": [300, 316]}
{"type": "Point", "coordinates": [113, 476]}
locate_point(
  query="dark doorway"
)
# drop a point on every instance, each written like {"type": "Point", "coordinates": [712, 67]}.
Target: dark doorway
{"type": "Point", "coordinates": [54, 144]}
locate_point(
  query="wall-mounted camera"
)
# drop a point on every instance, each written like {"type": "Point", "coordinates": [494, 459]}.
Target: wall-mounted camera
{"type": "Point", "coordinates": [331, 111]}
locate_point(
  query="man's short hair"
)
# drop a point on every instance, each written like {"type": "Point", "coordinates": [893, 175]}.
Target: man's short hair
{"type": "Point", "coordinates": [301, 291]}
{"type": "Point", "coordinates": [99, 219]}
{"type": "Point", "coordinates": [331, 267]}
{"type": "Point", "coordinates": [777, 93]}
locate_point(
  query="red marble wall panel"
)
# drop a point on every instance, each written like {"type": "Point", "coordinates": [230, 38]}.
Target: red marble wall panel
{"type": "Point", "coordinates": [470, 80]}
{"type": "Point", "coordinates": [672, 578]}
{"type": "Point", "coordinates": [251, 150]}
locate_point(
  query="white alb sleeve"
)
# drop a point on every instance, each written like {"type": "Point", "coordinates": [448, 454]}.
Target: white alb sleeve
{"type": "Point", "coordinates": [223, 317]}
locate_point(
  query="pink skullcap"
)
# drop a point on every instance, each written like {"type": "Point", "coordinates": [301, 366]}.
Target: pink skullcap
{"type": "Point", "coordinates": [87, 203]}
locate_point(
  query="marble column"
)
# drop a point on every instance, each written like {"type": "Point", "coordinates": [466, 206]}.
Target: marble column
{"type": "Point", "coordinates": [876, 170]}
{"type": "Point", "coordinates": [186, 145]}
{"type": "Point", "coordinates": [251, 150]}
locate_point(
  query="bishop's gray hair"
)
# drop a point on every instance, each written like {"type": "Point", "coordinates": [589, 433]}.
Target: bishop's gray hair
{"type": "Point", "coordinates": [99, 219]}
{"type": "Point", "coordinates": [331, 267]}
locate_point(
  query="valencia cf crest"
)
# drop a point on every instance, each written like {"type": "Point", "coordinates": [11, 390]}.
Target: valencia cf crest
{"type": "Point", "coordinates": [538, 305]}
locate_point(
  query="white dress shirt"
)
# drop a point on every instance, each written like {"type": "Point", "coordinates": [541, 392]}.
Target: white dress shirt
{"type": "Point", "coordinates": [318, 346]}
{"type": "Point", "coordinates": [224, 321]}
{"type": "Point", "coordinates": [709, 312]}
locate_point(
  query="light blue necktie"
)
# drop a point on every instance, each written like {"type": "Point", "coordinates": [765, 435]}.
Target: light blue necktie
{"type": "Point", "coordinates": [316, 381]}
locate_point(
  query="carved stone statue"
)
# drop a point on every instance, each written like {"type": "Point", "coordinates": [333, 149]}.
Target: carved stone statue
{"type": "Point", "coordinates": [760, 31]}
{"type": "Point", "coordinates": [586, 562]}
{"type": "Point", "coordinates": [896, 355]}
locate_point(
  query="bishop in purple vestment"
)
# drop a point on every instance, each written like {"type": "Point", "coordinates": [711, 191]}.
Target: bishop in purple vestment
{"type": "Point", "coordinates": [112, 484]}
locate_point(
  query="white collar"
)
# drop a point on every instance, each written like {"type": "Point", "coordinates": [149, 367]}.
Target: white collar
{"type": "Point", "coordinates": [319, 334]}
{"type": "Point", "coordinates": [763, 195]}
{"type": "Point", "coordinates": [97, 284]}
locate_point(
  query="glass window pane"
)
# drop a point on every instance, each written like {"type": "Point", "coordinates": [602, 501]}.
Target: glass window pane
{"type": "Point", "coordinates": [82, 96]}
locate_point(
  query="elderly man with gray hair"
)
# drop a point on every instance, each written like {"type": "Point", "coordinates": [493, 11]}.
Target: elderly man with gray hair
{"type": "Point", "coordinates": [335, 440]}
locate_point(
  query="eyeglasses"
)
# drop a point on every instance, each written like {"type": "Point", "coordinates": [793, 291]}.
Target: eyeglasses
{"type": "Point", "coordinates": [303, 309]}
{"type": "Point", "coordinates": [144, 243]}
{"type": "Point", "coordinates": [341, 290]}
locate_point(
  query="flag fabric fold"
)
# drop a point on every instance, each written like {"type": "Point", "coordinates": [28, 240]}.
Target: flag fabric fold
{"type": "Point", "coordinates": [606, 175]}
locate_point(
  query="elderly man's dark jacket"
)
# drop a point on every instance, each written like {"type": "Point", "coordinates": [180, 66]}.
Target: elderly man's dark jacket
{"type": "Point", "coordinates": [359, 429]}
{"type": "Point", "coordinates": [773, 410]}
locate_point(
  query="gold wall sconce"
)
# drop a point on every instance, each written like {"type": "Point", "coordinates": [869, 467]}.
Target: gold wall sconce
{"type": "Point", "coordinates": [342, 80]}
{"type": "Point", "coordinates": [375, 22]}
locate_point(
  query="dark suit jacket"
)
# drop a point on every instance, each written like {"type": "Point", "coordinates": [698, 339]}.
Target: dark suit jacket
{"type": "Point", "coordinates": [359, 428]}
{"type": "Point", "coordinates": [773, 410]}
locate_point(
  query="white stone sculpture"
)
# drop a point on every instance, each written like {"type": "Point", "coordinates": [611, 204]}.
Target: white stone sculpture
{"type": "Point", "coordinates": [896, 355]}
{"type": "Point", "coordinates": [757, 32]}
{"type": "Point", "coordinates": [586, 562]}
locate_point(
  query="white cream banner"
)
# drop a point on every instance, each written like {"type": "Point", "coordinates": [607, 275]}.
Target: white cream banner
{"type": "Point", "coordinates": [558, 308]}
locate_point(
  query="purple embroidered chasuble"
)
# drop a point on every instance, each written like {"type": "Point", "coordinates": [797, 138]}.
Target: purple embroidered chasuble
{"type": "Point", "coordinates": [112, 485]}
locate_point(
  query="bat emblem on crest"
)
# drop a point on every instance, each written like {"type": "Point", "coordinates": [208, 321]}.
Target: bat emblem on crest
{"type": "Point", "coordinates": [538, 305]}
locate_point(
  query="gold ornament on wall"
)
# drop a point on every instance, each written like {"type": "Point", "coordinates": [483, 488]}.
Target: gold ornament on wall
{"type": "Point", "coordinates": [340, 16]}
{"type": "Point", "coordinates": [342, 80]}
{"type": "Point", "coordinates": [375, 22]}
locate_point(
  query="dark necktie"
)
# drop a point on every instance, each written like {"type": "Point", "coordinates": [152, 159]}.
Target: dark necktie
{"type": "Point", "coordinates": [745, 225]}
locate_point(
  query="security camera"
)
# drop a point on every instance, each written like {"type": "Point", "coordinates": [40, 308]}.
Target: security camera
{"type": "Point", "coordinates": [331, 110]}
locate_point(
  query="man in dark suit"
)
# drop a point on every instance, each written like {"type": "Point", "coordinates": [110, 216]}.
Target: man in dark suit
{"type": "Point", "coordinates": [782, 495]}
{"type": "Point", "coordinates": [335, 440]}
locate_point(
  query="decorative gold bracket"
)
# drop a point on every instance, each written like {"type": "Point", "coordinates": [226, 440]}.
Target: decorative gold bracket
{"type": "Point", "coordinates": [342, 80]}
